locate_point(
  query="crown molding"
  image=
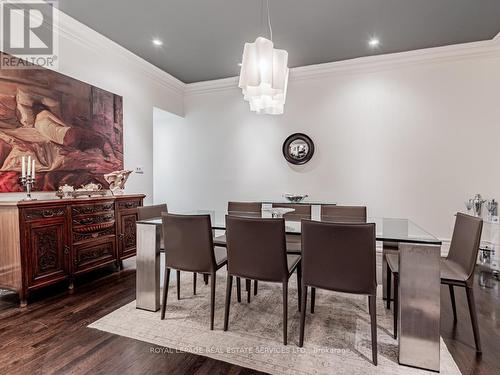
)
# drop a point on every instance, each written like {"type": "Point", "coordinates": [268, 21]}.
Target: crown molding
{"type": "Point", "coordinates": [456, 52]}
{"type": "Point", "coordinates": [75, 31]}
{"type": "Point", "coordinates": [211, 86]}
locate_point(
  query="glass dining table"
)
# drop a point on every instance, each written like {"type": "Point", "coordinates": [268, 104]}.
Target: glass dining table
{"type": "Point", "coordinates": [419, 282]}
{"type": "Point", "coordinates": [387, 229]}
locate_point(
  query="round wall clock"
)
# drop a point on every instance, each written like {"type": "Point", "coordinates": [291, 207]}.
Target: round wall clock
{"type": "Point", "coordinates": [298, 149]}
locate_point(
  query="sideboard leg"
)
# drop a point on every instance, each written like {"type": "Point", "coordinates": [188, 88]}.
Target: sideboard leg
{"type": "Point", "coordinates": [71, 287]}
{"type": "Point", "coordinates": [23, 299]}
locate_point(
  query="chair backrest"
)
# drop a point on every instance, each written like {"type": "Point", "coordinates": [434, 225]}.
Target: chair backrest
{"type": "Point", "coordinates": [465, 243]}
{"type": "Point", "coordinates": [302, 211]}
{"type": "Point", "coordinates": [339, 256]}
{"type": "Point", "coordinates": [248, 207]}
{"type": "Point", "coordinates": [256, 248]}
{"type": "Point", "coordinates": [151, 212]}
{"type": "Point", "coordinates": [343, 214]}
{"type": "Point", "coordinates": [188, 242]}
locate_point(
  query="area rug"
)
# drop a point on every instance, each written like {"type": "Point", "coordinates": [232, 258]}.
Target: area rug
{"type": "Point", "coordinates": [337, 336]}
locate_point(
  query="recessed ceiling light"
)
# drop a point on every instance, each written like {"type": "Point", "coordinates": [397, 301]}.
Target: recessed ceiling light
{"type": "Point", "coordinates": [374, 42]}
{"type": "Point", "coordinates": [239, 64]}
{"type": "Point", "coordinates": [157, 42]}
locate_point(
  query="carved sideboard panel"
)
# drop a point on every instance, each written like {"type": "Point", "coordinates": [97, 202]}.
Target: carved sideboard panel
{"type": "Point", "coordinates": [56, 240]}
{"type": "Point", "coordinates": [48, 252]}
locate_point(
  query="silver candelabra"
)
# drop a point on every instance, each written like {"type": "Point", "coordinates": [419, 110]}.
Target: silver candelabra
{"type": "Point", "coordinates": [28, 182]}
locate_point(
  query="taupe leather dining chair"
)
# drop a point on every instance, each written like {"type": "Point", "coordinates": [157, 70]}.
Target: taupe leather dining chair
{"type": "Point", "coordinates": [302, 211]}
{"type": "Point", "coordinates": [256, 250]}
{"type": "Point", "coordinates": [339, 214]}
{"type": "Point", "coordinates": [189, 242]}
{"type": "Point", "coordinates": [235, 208]}
{"type": "Point", "coordinates": [251, 207]}
{"type": "Point", "coordinates": [154, 212]}
{"type": "Point", "coordinates": [343, 214]}
{"type": "Point", "coordinates": [151, 212]}
{"type": "Point", "coordinates": [239, 208]}
{"type": "Point", "coordinates": [457, 269]}
{"type": "Point", "coordinates": [340, 257]}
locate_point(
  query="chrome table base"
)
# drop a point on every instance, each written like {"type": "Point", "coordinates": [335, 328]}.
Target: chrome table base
{"type": "Point", "coordinates": [148, 267]}
{"type": "Point", "coordinates": [419, 306]}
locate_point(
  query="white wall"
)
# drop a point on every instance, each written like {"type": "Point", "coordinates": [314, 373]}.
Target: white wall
{"type": "Point", "coordinates": [409, 135]}
{"type": "Point", "coordinates": [90, 57]}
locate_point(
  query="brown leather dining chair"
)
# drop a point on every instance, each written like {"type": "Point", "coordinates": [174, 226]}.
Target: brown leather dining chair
{"type": "Point", "coordinates": [238, 208]}
{"type": "Point", "coordinates": [339, 214]}
{"type": "Point", "coordinates": [154, 212]}
{"type": "Point", "coordinates": [302, 211]}
{"type": "Point", "coordinates": [343, 214]}
{"type": "Point", "coordinates": [256, 250]}
{"type": "Point", "coordinates": [189, 242]}
{"type": "Point", "coordinates": [151, 212]}
{"type": "Point", "coordinates": [340, 257]}
{"type": "Point", "coordinates": [457, 269]}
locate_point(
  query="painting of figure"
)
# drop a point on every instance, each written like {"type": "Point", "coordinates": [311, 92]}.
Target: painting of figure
{"type": "Point", "coordinates": [73, 130]}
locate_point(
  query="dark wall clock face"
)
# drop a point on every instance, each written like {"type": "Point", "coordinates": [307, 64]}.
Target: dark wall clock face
{"type": "Point", "coordinates": [298, 149]}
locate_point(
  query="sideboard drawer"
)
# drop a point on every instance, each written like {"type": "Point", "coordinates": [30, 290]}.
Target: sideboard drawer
{"type": "Point", "coordinates": [42, 213]}
{"type": "Point", "coordinates": [128, 204]}
{"type": "Point", "coordinates": [91, 254]}
{"type": "Point", "coordinates": [96, 208]}
{"type": "Point", "coordinates": [93, 231]}
{"type": "Point", "coordinates": [94, 219]}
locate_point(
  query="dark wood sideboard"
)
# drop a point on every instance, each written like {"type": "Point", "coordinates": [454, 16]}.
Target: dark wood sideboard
{"type": "Point", "coordinates": [44, 242]}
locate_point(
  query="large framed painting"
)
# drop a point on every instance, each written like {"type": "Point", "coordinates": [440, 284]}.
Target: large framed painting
{"type": "Point", "coordinates": [73, 130]}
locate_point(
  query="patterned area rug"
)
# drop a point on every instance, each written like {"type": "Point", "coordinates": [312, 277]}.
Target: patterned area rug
{"type": "Point", "coordinates": [337, 336]}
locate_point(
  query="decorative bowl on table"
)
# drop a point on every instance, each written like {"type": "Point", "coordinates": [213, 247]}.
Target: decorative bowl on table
{"type": "Point", "coordinates": [295, 198]}
{"type": "Point", "coordinates": [278, 212]}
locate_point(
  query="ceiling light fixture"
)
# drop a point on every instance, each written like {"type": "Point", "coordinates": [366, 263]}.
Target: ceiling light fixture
{"type": "Point", "coordinates": [157, 42]}
{"type": "Point", "coordinates": [374, 42]}
{"type": "Point", "coordinates": [264, 74]}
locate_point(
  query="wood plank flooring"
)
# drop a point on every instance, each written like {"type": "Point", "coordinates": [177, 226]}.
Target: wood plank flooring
{"type": "Point", "coordinates": [50, 335]}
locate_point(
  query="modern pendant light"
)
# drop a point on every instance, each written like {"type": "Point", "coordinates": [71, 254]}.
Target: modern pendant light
{"type": "Point", "coordinates": [264, 74]}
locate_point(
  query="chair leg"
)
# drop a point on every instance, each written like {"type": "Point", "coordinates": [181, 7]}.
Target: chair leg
{"type": "Point", "coordinates": [299, 283]}
{"type": "Point", "coordinates": [238, 289]}
{"type": "Point", "coordinates": [205, 279]}
{"type": "Point", "coordinates": [165, 292]}
{"type": "Point", "coordinates": [255, 287]}
{"type": "Point", "coordinates": [249, 288]}
{"type": "Point", "coordinates": [212, 300]}
{"type": "Point", "coordinates": [453, 305]}
{"type": "Point", "coordinates": [194, 283]}
{"type": "Point", "coordinates": [303, 314]}
{"type": "Point", "coordinates": [373, 321]}
{"type": "Point", "coordinates": [285, 312]}
{"type": "Point", "coordinates": [396, 303]}
{"type": "Point", "coordinates": [473, 318]}
{"type": "Point", "coordinates": [313, 299]}
{"type": "Point", "coordinates": [389, 276]}
{"type": "Point", "coordinates": [229, 286]}
{"type": "Point", "coordinates": [178, 284]}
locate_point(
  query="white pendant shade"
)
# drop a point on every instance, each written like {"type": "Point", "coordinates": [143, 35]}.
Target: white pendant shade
{"type": "Point", "coordinates": [264, 76]}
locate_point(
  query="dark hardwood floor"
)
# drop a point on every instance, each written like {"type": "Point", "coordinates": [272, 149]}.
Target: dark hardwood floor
{"type": "Point", "coordinates": [50, 335]}
{"type": "Point", "coordinates": [459, 338]}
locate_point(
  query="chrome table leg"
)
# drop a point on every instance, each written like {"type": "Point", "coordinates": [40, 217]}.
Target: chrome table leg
{"type": "Point", "coordinates": [148, 267]}
{"type": "Point", "coordinates": [419, 306]}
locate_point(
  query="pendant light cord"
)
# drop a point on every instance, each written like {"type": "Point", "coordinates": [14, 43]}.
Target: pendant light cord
{"type": "Point", "coordinates": [269, 21]}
